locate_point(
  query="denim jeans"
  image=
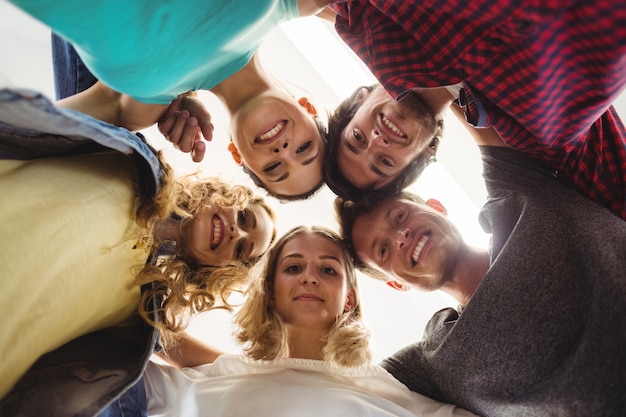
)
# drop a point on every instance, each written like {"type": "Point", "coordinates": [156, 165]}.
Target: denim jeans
{"type": "Point", "coordinates": [71, 76]}
{"type": "Point", "coordinates": [132, 403]}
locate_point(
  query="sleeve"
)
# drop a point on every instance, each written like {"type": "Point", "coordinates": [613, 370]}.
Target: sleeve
{"type": "Point", "coordinates": [410, 365]}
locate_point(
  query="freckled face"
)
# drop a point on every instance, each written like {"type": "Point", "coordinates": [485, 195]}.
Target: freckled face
{"type": "Point", "coordinates": [280, 142]}
{"type": "Point", "coordinates": [310, 287]}
{"type": "Point", "coordinates": [409, 241]}
{"type": "Point", "coordinates": [218, 235]}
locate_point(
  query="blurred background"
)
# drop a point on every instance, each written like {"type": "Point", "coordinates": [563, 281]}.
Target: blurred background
{"type": "Point", "coordinates": [308, 58]}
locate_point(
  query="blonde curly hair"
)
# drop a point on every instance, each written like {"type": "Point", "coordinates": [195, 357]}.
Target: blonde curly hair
{"type": "Point", "coordinates": [180, 286]}
{"type": "Point", "coordinates": [261, 329]}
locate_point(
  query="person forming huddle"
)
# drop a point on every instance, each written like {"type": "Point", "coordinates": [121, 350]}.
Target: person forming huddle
{"type": "Point", "coordinates": [306, 348]}
{"type": "Point", "coordinates": [86, 206]}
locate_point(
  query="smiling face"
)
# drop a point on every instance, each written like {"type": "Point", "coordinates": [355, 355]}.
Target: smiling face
{"type": "Point", "coordinates": [413, 243]}
{"type": "Point", "coordinates": [383, 137]}
{"type": "Point", "coordinates": [280, 142]}
{"type": "Point", "coordinates": [310, 285]}
{"type": "Point", "coordinates": [218, 235]}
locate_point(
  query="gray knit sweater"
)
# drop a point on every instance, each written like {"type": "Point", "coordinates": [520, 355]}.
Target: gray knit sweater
{"type": "Point", "coordinates": [545, 332]}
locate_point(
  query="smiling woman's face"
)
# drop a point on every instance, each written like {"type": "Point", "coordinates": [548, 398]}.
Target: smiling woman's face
{"type": "Point", "coordinates": [310, 285]}
{"type": "Point", "coordinates": [218, 235]}
{"type": "Point", "coordinates": [280, 142]}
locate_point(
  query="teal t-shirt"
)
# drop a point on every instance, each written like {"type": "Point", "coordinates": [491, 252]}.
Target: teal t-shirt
{"type": "Point", "coordinates": [155, 50]}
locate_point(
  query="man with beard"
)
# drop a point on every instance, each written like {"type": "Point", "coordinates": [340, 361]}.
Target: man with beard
{"type": "Point", "coordinates": [542, 320]}
{"type": "Point", "coordinates": [541, 75]}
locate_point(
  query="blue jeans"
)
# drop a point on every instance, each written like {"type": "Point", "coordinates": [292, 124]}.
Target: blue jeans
{"type": "Point", "coordinates": [132, 403]}
{"type": "Point", "coordinates": [71, 76]}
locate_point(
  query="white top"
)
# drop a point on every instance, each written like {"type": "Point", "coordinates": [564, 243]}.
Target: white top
{"type": "Point", "coordinates": [455, 89]}
{"type": "Point", "coordinates": [235, 385]}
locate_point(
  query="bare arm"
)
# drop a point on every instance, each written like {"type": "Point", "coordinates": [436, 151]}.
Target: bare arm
{"type": "Point", "coordinates": [482, 136]}
{"type": "Point", "coordinates": [190, 351]}
{"type": "Point", "coordinates": [311, 7]}
{"type": "Point", "coordinates": [183, 122]}
{"type": "Point", "coordinates": [118, 109]}
{"type": "Point", "coordinates": [327, 14]}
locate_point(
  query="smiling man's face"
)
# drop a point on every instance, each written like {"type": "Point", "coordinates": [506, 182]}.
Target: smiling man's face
{"type": "Point", "coordinates": [383, 137]}
{"type": "Point", "coordinates": [408, 241]}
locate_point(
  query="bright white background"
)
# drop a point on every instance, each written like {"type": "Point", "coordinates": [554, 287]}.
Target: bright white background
{"type": "Point", "coordinates": [309, 59]}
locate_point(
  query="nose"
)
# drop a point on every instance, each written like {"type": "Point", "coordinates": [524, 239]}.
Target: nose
{"type": "Point", "coordinates": [378, 139]}
{"type": "Point", "coordinates": [402, 237]}
{"type": "Point", "coordinates": [309, 276]}
{"type": "Point", "coordinates": [236, 233]}
{"type": "Point", "coordinates": [283, 146]}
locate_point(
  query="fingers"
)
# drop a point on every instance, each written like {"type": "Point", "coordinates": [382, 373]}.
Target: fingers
{"type": "Point", "coordinates": [207, 130]}
{"type": "Point", "coordinates": [197, 153]}
{"type": "Point", "coordinates": [184, 133]}
{"type": "Point", "coordinates": [180, 129]}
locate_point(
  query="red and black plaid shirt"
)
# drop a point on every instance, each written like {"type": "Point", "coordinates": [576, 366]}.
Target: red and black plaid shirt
{"type": "Point", "coordinates": [543, 74]}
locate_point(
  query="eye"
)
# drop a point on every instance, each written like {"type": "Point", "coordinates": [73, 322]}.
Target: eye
{"type": "Point", "coordinates": [329, 270]}
{"type": "Point", "coordinates": [383, 251]}
{"type": "Point", "coordinates": [293, 269]}
{"type": "Point", "coordinates": [357, 136]}
{"type": "Point", "coordinates": [305, 147]}
{"type": "Point", "coordinates": [241, 218]}
{"type": "Point", "coordinates": [272, 167]}
{"type": "Point", "coordinates": [400, 217]}
{"type": "Point", "coordinates": [386, 162]}
{"type": "Point", "coordinates": [239, 251]}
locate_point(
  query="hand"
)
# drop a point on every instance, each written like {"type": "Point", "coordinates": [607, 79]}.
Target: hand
{"type": "Point", "coordinates": [184, 123]}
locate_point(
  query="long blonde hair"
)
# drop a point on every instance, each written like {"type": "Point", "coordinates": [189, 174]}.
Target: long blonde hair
{"type": "Point", "coordinates": [261, 329]}
{"type": "Point", "coordinates": [179, 286]}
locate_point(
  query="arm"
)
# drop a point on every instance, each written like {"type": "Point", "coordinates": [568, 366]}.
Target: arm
{"type": "Point", "coordinates": [183, 122]}
{"type": "Point", "coordinates": [482, 136]}
{"type": "Point", "coordinates": [327, 14]}
{"type": "Point", "coordinates": [118, 109]}
{"type": "Point", "coordinates": [311, 7]}
{"type": "Point", "coordinates": [189, 352]}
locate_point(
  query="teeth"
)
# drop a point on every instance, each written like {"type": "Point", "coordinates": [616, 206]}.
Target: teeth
{"type": "Point", "coordinates": [420, 246]}
{"type": "Point", "coordinates": [393, 127]}
{"type": "Point", "coordinates": [217, 231]}
{"type": "Point", "coordinates": [272, 132]}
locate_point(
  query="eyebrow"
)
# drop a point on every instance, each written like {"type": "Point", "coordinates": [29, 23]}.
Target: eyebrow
{"type": "Point", "coordinates": [350, 146]}
{"type": "Point", "coordinates": [373, 247]}
{"type": "Point", "coordinates": [294, 255]}
{"type": "Point", "coordinates": [252, 227]}
{"type": "Point", "coordinates": [375, 241]}
{"type": "Point", "coordinates": [253, 219]}
{"type": "Point", "coordinates": [310, 160]}
{"type": "Point", "coordinates": [286, 174]}
{"type": "Point", "coordinates": [378, 172]}
{"type": "Point", "coordinates": [300, 256]}
{"type": "Point", "coordinates": [281, 178]}
{"type": "Point", "coordinates": [333, 258]}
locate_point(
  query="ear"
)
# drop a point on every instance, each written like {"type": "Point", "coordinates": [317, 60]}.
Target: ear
{"type": "Point", "coordinates": [397, 286]}
{"type": "Point", "coordinates": [308, 106]}
{"type": "Point", "coordinates": [350, 301]}
{"type": "Point", "coordinates": [362, 94]}
{"type": "Point", "coordinates": [437, 206]}
{"type": "Point", "coordinates": [234, 152]}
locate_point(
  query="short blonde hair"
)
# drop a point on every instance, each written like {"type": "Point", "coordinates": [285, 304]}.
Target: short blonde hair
{"type": "Point", "coordinates": [261, 329]}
